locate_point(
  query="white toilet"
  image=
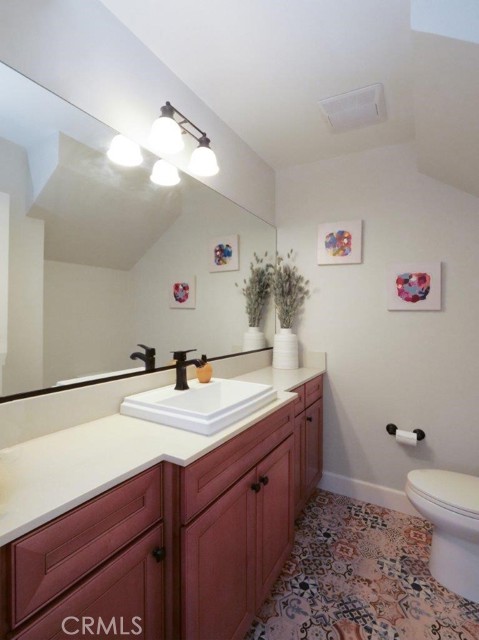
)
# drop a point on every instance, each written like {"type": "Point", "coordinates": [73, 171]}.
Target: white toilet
{"type": "Point", "coordinates": [451, 502]}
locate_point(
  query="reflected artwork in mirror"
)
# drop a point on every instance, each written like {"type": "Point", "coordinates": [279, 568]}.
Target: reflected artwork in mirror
{"type": "Point", "coordinates": [88, 251]}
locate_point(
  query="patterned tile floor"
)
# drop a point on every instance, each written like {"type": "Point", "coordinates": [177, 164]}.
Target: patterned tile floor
{"type": "Point", "coordinates": [360, 572]}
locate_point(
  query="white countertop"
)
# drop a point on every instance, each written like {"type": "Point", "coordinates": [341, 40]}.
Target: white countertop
{"type": "Point", "coordinates": [43, 478]}
{"type": "Point", "coordinates": [281, 379]}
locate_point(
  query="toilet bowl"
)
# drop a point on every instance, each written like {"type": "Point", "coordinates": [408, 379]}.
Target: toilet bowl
{"type": "Point", "coordinates": [451, 502]}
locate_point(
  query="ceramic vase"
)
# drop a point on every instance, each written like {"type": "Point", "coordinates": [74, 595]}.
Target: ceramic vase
{"type": "Point", "coordinates": [253, 339]}
{"type": "Point", "coordinates": [285, 350]}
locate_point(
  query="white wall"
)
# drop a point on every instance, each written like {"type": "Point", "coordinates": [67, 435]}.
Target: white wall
{"type": "Point", "coordinates": [79, 50]}
{"type": "Point", "coordinates": [25, 276]}
{"type": "Point", "coordinates": [133, 306]}
{"type": "Point", "coordinates": [415, 369]}
{"type": "Point", "coordinates": [101, 341]}
{"type": "Point", "coordinates": [217, 324]}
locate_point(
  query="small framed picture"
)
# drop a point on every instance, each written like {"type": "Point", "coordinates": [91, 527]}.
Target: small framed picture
{"type": "Point", "coordinates": [340, 242]}
{"type": "Point", "coordinates": [414, 286]}
{"type": "Point", "coordinates": [182, 293]}
{"type": "Point", "coordinates": [223, 253]}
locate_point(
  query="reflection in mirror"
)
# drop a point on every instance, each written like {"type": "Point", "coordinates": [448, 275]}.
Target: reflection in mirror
{"type": "Point", "coordinates": [94, 250]}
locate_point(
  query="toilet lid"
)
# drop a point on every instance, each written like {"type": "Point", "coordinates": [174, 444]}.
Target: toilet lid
{"type": "Point", "coordinates": [456, 491]}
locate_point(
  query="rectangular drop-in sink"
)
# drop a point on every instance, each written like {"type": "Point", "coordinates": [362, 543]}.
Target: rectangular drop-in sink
{"type": "Point", "coordinates": [203, 408]}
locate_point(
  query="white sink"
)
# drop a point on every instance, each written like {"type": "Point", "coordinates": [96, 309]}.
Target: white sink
{"type": "Point", "coordinates": [203, 408]}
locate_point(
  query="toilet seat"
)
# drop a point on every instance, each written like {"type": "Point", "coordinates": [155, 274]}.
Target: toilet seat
{"type": "Point", "coordinates": [453, 491]}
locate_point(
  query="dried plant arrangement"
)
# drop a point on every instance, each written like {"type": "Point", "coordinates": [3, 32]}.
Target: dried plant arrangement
{"type": "Point", "coordinates": [256, 289]}
{"type": "Point", "coordinates": [290, 290]}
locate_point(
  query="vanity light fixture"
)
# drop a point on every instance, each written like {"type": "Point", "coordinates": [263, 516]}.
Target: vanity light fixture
{"type": "Point", "coordinates": [166, 133]}
{"type": "Point", "coordinates": [203, 160]}
{"type": "Point", "coordinates": [166, 138]}
{"type": "Point", "coordinates": [125, 152]}
{"type": "Point", "coordinates": [164, 174]}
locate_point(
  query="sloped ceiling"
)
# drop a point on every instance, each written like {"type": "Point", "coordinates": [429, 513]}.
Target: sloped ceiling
{"type": "Point", "coordinates": [263, 66]}
{"type": "Point", "coordinates": [447, 110]}
{"type": "Point", "coordinates": [96, 213]}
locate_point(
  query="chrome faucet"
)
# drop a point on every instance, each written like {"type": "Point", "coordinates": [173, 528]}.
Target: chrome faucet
{"type": "Point", "coordinates": [181, 364]}
{"type": "Point", "coordinates": [148, 357]}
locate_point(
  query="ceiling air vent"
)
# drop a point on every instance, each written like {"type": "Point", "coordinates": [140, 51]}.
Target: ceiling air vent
{"type": "Point", "coordinates": [354, 109]}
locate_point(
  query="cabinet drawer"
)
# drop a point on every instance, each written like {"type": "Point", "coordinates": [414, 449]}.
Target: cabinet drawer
{"type": "Point", "coordinates": [313, 390]}
{"type": "Point", "coordinates": [49, 560]}
{"type": "Point", "coordinates": [122, 599]}
{"type": "Point", "coordinates": [299, 402]}
{"type": "Point", "coordinates": [207, 478]}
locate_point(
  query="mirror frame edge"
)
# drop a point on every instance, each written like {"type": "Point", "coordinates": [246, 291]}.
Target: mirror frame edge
{"type": "Point", "coordinates": [88, 383]}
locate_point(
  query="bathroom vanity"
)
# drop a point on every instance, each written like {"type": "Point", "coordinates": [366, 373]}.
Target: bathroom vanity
{"type": "Point", "coordinates": [102, 559]}
{"type": "Point", "coordinates": [186, 548]}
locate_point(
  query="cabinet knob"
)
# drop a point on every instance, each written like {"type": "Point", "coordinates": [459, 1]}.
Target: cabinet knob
{"type": "Point", "coordinates": [159, 553]}
{"type": "Point", "coordinates": [256, 487]}
{"type": "Point", "coordinates": [309, 418]}
{"type": "Point", "coordinates": [264, 480]}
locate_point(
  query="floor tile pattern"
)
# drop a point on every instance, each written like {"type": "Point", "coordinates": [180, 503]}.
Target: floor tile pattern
{"type": "Point", "coordinates": [360, 572]}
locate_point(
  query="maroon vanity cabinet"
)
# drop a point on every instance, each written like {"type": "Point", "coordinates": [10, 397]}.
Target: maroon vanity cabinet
{"type": "Point", "coordinates": [237, 528]}
{"type": "Point", "coordinates": [174, 553]}
{"type": "Point", "coordinates": [100, 567]}
{"type": "Point", "coordinates": [124, 597]}
{"type": "Point", "coordinates": [218, 566]}
{"type": "Point", "coordinates": [308, 435]}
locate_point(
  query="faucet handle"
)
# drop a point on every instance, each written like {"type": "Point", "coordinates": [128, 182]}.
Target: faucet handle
{"type": "Point", "coordinates": [149, 351]}
{"type": "Point", "coordinates": [180, 356]}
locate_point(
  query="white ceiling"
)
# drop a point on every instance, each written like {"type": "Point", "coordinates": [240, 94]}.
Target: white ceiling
{"type": "Point", "coordinates": [263, 65]}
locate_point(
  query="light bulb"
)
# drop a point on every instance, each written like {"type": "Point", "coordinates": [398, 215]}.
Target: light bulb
{"type": "Point", "coordinates": [164, 174]}
{"type": "Point", "coordinates": [203, 160]}
{"type": "Point", "coordinates": [125, 152]}
{"type": "Point", "coordinates": [166, 136]}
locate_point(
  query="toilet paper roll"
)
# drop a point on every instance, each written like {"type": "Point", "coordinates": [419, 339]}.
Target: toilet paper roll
{"type": "Point", "coordinates": [406, 437]}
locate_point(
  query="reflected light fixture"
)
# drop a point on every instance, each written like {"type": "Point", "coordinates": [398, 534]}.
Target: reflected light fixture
{"type": "Point", "coordinates": [166, 138]}
{"type": "Point", "coordinates": [125, 152]}
{"type": "Point", "coordinates": [164, 174]}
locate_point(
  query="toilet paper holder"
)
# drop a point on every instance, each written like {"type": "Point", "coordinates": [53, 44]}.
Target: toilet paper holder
{"type": "Point", "coordinates": [391, 429]}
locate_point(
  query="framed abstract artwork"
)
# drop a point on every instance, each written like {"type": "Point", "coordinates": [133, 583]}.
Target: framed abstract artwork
{"type": "Point", "coordinates": [223, 253]}
{"type": "Point", "coordinates": [414, 286]}
{"type": "Point", "coordinates": [340, 242]}
{"type": "Point", "coordinates": [182, 293]}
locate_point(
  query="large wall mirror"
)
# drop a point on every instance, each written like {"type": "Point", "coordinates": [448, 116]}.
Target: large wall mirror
{"type": "Point", "coordinates": [89, 251]}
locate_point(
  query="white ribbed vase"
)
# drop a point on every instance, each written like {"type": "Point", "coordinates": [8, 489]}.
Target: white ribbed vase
{"type": "Point", "coordinates": [285, 350]}
{"type": "Point", "coordinates": [253, 339]}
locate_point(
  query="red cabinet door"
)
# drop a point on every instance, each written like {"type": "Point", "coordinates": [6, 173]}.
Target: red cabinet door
{"type": "Point", "coordinates": [218, 566]}
{"type": "Point", "coordinates": [275, 515]}
{"type": "Point", "coordinates": [123, 598]}
{"type": "Point", "coordinates": [313, 447]}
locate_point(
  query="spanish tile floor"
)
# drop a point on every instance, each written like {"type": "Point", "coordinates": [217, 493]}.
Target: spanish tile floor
{"type": "Point", "coordinates": [360, 572]}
